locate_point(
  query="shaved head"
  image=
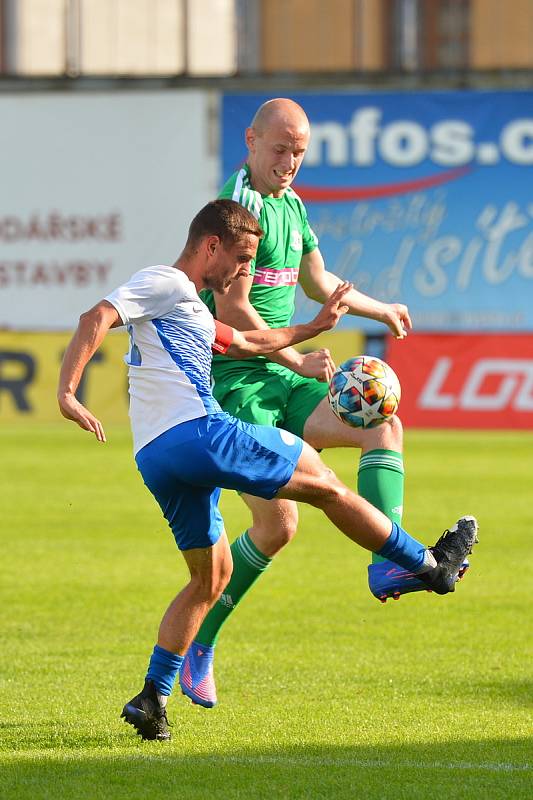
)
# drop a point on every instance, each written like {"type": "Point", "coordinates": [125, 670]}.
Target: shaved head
{"type": "Point", "coordinates": [280, 111]}
{"type": "Point", "coordinates": [276, 140]}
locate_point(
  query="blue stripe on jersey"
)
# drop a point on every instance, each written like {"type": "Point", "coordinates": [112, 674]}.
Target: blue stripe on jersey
{"type": "Point", "coordinates": [134, 356]}
{"type": "Point", "coordinates": [191, 352]}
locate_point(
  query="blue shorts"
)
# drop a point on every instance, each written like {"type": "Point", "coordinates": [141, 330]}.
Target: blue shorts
{"type": "Point", "coordinates": [186, 467]}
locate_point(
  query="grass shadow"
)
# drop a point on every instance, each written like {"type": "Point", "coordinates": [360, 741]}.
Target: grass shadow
{"type": "Point", "coordinates": [458, 769]}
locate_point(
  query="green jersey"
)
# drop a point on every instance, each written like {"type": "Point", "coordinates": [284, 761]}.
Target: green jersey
{"type": "Point", "coordinates": [287, 237]}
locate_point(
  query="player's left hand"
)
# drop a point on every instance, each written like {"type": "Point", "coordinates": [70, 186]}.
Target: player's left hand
{"type": "Point", "coordinates": [396, 317]}
{"type": "Point", "coordinates": [334, 308]}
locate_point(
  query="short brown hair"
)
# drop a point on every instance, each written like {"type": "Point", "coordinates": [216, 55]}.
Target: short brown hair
{"type": "Point", "coordinates": [223, 218]}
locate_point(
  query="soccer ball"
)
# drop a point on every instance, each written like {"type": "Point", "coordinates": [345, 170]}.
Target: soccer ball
{"type": "Point", "coordinates": [364, 392]}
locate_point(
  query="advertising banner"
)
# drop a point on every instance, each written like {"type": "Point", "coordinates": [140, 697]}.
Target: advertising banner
{"type": "Point", "coordinates": [29, 372]}
{"type": "Point", "coordinates": [30, 363]}
{"type": "Point", "coordinates": [420, 197]}
{"type": "Point", "coordinates": [94, 187]}
{"type": "Point", "coordinates": [465, 380]}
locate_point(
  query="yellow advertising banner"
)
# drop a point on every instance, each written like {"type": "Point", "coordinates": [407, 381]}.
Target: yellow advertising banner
{"type": "Point", "coordinates": [30, 362]}
{"type": "Point", "coordinates": [29, 371]}
{"type": "Point", "coordinates": [341, 344]}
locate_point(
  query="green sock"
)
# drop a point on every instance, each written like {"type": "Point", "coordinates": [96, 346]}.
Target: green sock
{"type": "Point", "coordinates": [248, 564]}
{"type": "Point", "coordinates": [380, 481]}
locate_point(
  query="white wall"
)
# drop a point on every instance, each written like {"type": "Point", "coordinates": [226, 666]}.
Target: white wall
{"type": "Point", "coordinates": [124, 37]}
{"type": "Point", "coordinates": [94, 187]}
{"type": "Point", "coordinates": [133, 38]}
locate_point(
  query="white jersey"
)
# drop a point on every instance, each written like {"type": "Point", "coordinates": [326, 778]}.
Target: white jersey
{"type": "Point", "coordinates": [171, 334]}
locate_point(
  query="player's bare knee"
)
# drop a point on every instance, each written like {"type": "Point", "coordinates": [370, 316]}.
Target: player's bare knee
{"type": "Point", "coordinates": [287, 527]}
{"type": "Point", "coordinates": [389, 436]}
{"type": "Point", "coordinates": [396, 433]}
{"type": "Point", "coordinates": [208, 586]}
{"type": "Point", "coordinates": [284, 533]}
{"type": "Point", "coordinates": [337, 492]}
{"type": "Point", "coordinates": [270, 541]}
{"type": "Point", "coordinates": [272, 529]}
{"type": "Point", "coordinates": [224, 574]}
{"type": "Point", "coordinates": [328, 488]}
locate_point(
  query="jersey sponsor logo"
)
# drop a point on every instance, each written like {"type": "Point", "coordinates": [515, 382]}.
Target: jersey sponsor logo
{"type": "Point", "coordinates": [296, 240]}
{"type": "Point", "coordinates": [288, 276]}
{"type": "Point", "coordinates": [480, 381]}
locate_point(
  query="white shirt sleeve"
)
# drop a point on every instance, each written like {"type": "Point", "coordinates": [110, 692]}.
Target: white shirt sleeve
{"type": "Point", "coordinates": [149, 294]}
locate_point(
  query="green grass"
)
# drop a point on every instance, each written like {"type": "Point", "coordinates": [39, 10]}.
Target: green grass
{"type": "Point", "coordinates": [324, 692]}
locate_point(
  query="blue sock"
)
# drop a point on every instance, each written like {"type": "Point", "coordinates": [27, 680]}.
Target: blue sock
{"type": "Point", "coordinates": [163, 669]}
{"type": "Point", "coordinates": [403, 550]}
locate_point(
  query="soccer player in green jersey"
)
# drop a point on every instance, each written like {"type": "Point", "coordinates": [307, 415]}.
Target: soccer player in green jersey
{"type": "Point", "coordinates": [289, 389]}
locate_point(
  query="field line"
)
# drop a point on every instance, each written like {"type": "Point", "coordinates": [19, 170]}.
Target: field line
{"type": "Point", "coordinates": [283, 761]}
{"type": "Point", "coordinates": [374, 763]}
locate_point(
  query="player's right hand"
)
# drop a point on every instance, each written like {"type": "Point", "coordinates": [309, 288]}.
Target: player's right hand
{"type": "Point", "coordinates": [72, 409]}
{"type": "Point", "coordinates": [396, 316]}
{"type": "Point", "coordinates": [317, 364]}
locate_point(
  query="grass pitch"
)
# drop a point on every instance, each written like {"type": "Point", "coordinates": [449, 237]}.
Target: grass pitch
{"type": "Point", "coordinates": [323, 692]}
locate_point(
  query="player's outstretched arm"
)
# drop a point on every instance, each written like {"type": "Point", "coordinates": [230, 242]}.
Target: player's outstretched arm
{"type": "Point", "coordinates": [93, 326]}
{"type": "Point", "coordinates": [261, 342]}
{"type": "Point", "coordinates": [317, 283]}
{"type": "Point", "coordinates": [234, 309]}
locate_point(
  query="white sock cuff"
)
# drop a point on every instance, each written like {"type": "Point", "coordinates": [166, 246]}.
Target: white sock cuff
{"type": "Point", "coordinates": [388, 460]}
{"type": "Point", "coordinates": [251, 554]}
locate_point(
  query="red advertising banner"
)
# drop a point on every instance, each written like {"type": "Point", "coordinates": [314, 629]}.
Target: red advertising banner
{"type": "Point", "coordinates": [480, 381]}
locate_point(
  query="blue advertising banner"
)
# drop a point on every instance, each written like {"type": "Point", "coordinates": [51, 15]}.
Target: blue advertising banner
{"type": "Point", "coordinates": [422, 198]}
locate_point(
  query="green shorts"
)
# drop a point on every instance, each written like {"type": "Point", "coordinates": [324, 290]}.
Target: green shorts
{"type": "Point", "coordinates": [266, 393]}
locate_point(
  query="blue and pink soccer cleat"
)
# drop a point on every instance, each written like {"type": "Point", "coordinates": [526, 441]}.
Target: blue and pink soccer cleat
{"type": "Point", "coordinates": [387, 579]}
{"type": "Point", "coordinates": [196, 675]}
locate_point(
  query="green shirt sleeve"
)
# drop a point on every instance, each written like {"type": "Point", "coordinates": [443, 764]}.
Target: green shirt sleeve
{"type": "Point", "coordinates": [309, 237]}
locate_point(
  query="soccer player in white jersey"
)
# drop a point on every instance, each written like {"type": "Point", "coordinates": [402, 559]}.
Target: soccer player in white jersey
{"type": "Point", "coordinates": [187, 448]}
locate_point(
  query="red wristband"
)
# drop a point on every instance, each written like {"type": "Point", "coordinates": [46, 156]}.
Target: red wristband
{"type": "Point", "coordinates": [223, 337]}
